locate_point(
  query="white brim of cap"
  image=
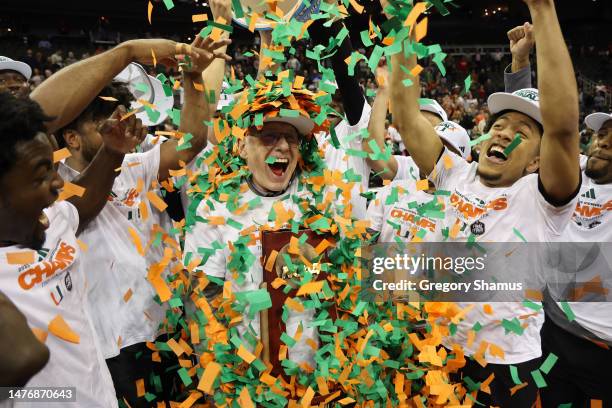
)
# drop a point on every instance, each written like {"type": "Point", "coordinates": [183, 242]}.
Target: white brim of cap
{"type": "Point", "coordinates": [162, 104]}
{"type": "Point", "coordinates": [17, 66]}
{"type": "Point", "coordinates": [432, 108]}
{"type": "Point", "coordinates": [303, 124]}
{"type": "Point", "coordinates": [501, 101]}
{"type": "Point", "coordinates": [596, 120]}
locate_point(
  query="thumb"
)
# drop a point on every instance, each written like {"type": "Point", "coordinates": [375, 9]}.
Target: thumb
{"type": "Point", "coordinates": [529, 35]}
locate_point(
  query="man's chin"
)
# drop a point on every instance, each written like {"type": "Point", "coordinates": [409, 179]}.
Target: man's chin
{"type": "Point", "coordinates": [488, 174]}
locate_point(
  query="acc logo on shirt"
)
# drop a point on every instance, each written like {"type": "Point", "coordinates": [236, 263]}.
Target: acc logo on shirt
{"type": "Point", "coordinates": [64, 257]}
{"type": "Point", "coordinates": [588, 215]}
{"type": "Point", "coordinates": [409, 217]}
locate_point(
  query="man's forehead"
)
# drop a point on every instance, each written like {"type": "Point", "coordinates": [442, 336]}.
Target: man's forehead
{"type": "Point", "coordinates": [7, 73]}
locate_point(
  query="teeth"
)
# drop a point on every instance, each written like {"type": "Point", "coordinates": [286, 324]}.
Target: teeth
{"type": "Point", "coordinates": [281, 160]}
{"type": "Point", "coordinates": [44, 220]}
{"type": "Point", "coordinates": [497, 149]}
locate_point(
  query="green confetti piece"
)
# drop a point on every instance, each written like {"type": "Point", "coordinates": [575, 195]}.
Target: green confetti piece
{"type": "Point", "coordinates": [515, 376]}
{"type": "Point", "coordinates": [289, 113]}
{"type": "Point", "coordinates": [482, 138]}
{"type": "Point", "coordinates": [141, 87]}
{"type": "Point", "coordinates": [513, 326]}
{"type": "Point", "coordinates": [515, 142]}
{"type": "Point", "coordinates": [321, 223]}
{"type": "Point", "coordinates": [237, 7]}
{"type": "Point", "coordinates": [233, 223]}
{"type": "Point", "coordinates": [365, 38]}
{"type": "Point", "coordinates": [518, 234]}
{"type": "Point", "coordinates": [152, 114]}
{"type": "Point", "coordinates": [548, 364]}
{"type": "Point", "coordinates": [223, 27]}
{"type": "Point", "coordinates": [407, 82]}
{"type": "Point", "coordinates": [357, 153]}
{"type": "Point", "coordinates": [440, 7]}
{"type": "Point", "coordinates": [288, 340]}
{"type": "Point", "coordinates": [538, 378]}
{"type": "Point", "coordinates": [471, 384]}
{"type": "Point", "coordinates": [568, 311]}
{"type": "Point", "coordinates": [150, 397]}
{"type": "Point", "coordinates": [271, 160]}
{"type": "Point", "coordinates": [185, 376]}
{"type": "Point", "coordinates": [169, 4]}
{"type": "Point", "coordinates": [467, 82]}
{"type": "Point", "coordinates": [532, 305]}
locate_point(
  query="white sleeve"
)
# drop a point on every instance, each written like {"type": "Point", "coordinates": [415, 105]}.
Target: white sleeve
{"type": "Point", "coordinates": [447, 169]}
{"type": "Point", "coordinates": [555, 219]}
{"type": "Point", "coordinates": [70, 213]}
{"type": "Point", "coordinates": [406, 168]}
{"type": "Point", "coordinates": [583, 162]}
{"type": "Point", "coordinates": [207, 238]}
{"type": "Point", "coordinates": [142, 165]}
{"type": "Point", "coordinates": [376, 209]}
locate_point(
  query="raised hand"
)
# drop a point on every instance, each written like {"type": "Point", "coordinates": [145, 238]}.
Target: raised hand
{"type": "Point", "coordinates": [204, 51]}
{"type": "Point", "coordinates": [165, 51]}
{"type": "Point", "coordinates": [522, 40]}
{"type": "Point", "coordinates": [122, 136]}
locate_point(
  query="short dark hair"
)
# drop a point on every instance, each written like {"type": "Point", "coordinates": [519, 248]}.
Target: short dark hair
{"type": "Point", "coordinates": [100, 108]}
{"type": "Point", "coordinates": [21, 119]}
{"type": "Point", "coordinates": [493, 118]}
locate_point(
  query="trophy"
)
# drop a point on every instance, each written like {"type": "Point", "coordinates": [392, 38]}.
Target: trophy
{"type": "Point", "coordinates": [285, 10]}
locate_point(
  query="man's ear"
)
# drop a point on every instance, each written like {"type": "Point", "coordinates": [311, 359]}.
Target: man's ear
{"type": "Point", "coordinates": [242, 151]}
{"type": "Point", "coordinates": [72, 138]}
{"type": "Point", "coordinates": [533, 165]}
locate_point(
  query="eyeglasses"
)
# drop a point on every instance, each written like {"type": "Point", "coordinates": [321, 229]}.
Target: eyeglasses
{"type": "Point", "coordinates": [271, 139]}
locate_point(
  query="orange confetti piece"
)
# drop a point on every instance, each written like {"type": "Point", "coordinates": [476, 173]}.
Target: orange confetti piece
{"type": "Point", "coordinates": [136, 240]}
{"type": "Point", "coordinates": [149, 11]}
{"type": "Point", "coordinates": [127, 115]}
{"type": "Point", "coordinates": [154, 58]}
{"type": "Point", "coordinates": [322, 246]}
{"type": "Point", "coordinates": [40, 334]}
{"type": "Point", "coordinates": [416, 70]}
{"type": "Point", "coordinates": [21, 257]}
{"type": "Point", "coordinates": [144, 210]}
{"type": "Point", "coordinates": [156, 201]}
{"type": "Point", "coordinates": [358, 7]}
{"type": "Point", "coordinates": [60, 329]}
{"type": "Point", "coordinates": [487, 309]}
{"type": "Point", "coordinates": [244, 399]}
{"type": "Point", "coordinates": [245, 354]}
{"type": "Point", "coordinates": [414, 14]}
{"type": "Point", "coordinates": [211, 372]}
{"type": "Point", "coordinates": [271, 260]}
{"type": "Point", "coordinates": [422, 185]}
{"type": "Point", "coordinates": [448, 162]}
{"type": "Point", "coordinates": [140, 387]}
{"type": "Point", "coordinates": [307, 398]}
{"type": "Point", "coordinates": [310, 287]}
{"type": "Point", "coordinates": [294, 305]}
{"type": "Point", "coordinates": [216, 220]}
{"type": "Point", "coordinates": [421, 29]}
{"type": "Point", "coordinates": [127, 296]}
{"type": "Point", "coordinates": [70, 190]}
{"type": "Point", "coordinates": [198, 18]}
{"type": "Point", "coordinates": [175, 347]}
{"type": "Point", "coordinates": [162, 289]}
{"type": "Point", "coordinates": [253, 22]}
{"type": "Point", "coordinates": [61, 154]}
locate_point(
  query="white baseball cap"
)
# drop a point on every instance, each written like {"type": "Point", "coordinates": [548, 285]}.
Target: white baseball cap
{"type": "Point", "coordinates": [148, 88]}
{"type": "Point", "coordinates": [596, 120]}
{"type": "Point", "coordinates": [456, 135]}
{"type": "Point", "coordinates": [225, 99]}
{"type": "Point", "coordinates": [7, 64]}
{"type": "Point", "coordinates": [526, 101]}
{"type": "Point", "coordinates": [431, 105]}
{"type": "Point", "coordinates": [303, 124]}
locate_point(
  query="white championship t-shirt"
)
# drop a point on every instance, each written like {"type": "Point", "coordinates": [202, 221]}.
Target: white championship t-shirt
{"type": "Point", "coordinates": [592, 222]}
{"type": "Point", "coordinates": [121, 300]}
{"type": "Point", "coordinates": [499, 215]}
{"type": "Point", "coordinates": [339, 159]}
{"type": "Point", "coordinates": [49, 292]}
{"type": "Point", "coordinates": [406, 168]}
{"type": "Point", "coordinates": [204, 235]}
{"type": "Point", "coordinates": [395, 213]}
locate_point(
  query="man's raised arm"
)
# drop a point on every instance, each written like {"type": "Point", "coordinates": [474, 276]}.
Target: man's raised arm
{"type": "Point", "coordinates": [418, 135]}
{"type": "Point", "coordinates": [67, 92]}
{"type": "Point", "coordinates": [559, 167]}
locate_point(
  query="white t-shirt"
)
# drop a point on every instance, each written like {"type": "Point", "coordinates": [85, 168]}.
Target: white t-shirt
{"type": "Point", "coordinates": [203, 235]}
{"type": "Point", "coordinates": [406, 168]}
{"type": "Point", "coordinates": [592, 222]}
{"type": "Point", "coordinates": [55, 285]}
{"type": "Point", "coordinates": [401, 219]}
{"type": "Point", "coordinates": [113, 265]}
{"type": "Point", "coordinates": [396, 137]}
{"type": "Point", "coordinates": [496, 215]}
{"type": "Point", "coordinates": [338, 159]}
